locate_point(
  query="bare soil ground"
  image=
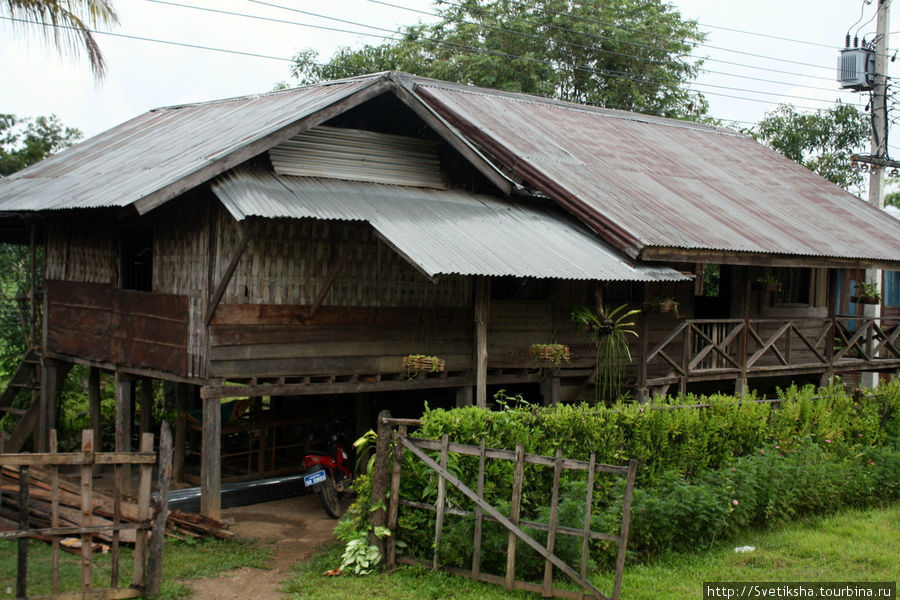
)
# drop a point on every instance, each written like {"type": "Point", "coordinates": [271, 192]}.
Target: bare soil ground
{"type": "Point", "coordinates": [293, 528]}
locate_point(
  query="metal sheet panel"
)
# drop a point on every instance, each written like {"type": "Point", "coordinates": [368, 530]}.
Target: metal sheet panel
{"type": "Point", "coordinates": [442, 231]}
{"type": "Point", "coordinates": [357, 155]}
{"type": "Point", "coordinates": [665, 183]}
{"type": "Point", "coordinates": [143, 155]}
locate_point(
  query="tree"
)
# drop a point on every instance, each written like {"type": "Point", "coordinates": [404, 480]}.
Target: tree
{"type": "Point", "coordinates": [27, 141]}
{"type": "Point", "coordinates": [23, 141]}
{"type": "Point", "coordinates": [67, 24]}
{"type": "Point", "coordinates": [821, 141]}
{"type": "Point", "coordinates": [628, 54]}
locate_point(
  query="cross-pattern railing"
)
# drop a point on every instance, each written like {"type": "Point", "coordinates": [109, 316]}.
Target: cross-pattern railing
{"type": "Point", "coordinates": [711, 349]}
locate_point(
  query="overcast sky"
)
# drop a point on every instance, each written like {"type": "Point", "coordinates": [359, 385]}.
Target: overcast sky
{"type": "Point", "coordinates": [744, 80]}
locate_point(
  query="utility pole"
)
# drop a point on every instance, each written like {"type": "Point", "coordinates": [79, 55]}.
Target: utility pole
{"type": "Point", "coordinates": [878, 148]}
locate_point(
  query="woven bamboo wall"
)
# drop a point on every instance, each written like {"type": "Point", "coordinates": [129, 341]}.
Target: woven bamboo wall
{"type": "Point", "coordinates": [180, 265]}
{"type": "Point", "coordinates": [288, 262]}
{"type": "Point", "coordinates": [81, 251]}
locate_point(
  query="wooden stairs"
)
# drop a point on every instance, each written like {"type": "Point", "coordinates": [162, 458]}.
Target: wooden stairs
{"type": "Point", "coordinates": [24, 413]}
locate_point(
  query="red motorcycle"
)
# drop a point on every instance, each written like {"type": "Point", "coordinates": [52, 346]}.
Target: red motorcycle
{"type": "Point", "coordinates": [328, 474]}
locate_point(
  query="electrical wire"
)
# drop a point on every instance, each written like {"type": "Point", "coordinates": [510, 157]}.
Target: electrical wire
{"type": "Point", "coordinates": [470, 49]}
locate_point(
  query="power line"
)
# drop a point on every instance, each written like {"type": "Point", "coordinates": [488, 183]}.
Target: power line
{"type": "Point", "coordinates": [590, 48]}
{"type": "Point", "coordinates": [147, 39]}
{"type": "Point", "coordinates": [282, 59]}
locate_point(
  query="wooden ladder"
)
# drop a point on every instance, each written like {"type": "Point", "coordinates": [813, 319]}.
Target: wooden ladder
{"type": "Point", "coordinates": [26, 377]}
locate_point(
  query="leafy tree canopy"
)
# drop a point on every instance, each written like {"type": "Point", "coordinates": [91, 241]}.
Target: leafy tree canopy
{"type": "Point", "coordinates": [24, 141]}
{"type": "Point", "coordinates": [628, 54]}
{"type": "Point", "coordinates": [821, 141]}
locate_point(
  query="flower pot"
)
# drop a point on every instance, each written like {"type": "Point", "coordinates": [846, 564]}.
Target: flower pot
{"type": "Point", "coordinates": [550, 353]}
{"type": "Point", "coordinates": [864, 300]}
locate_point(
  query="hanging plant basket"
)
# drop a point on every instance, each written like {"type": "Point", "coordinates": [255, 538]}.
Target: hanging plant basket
{"type": "Point", "coordinates": [767, 286]}
{"type": "Point", "coordinates": [421, 363]}
{"type": "Point", "coordinates": [553, 354]}
{"type": "Point", "coordinates": [865, 299]}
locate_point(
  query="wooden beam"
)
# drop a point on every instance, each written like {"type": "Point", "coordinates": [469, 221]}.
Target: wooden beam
{"type": "Point", "coordinates": [482, 306]}
{"type": "Point", "coordinates": [181, 395]}
{"type": "Point", "coordinates": [123, 425]}
{"type": "Point", "coordinates": [211, 460]}
{"type": "Point", "coordinates": [146, 403]}
{"type": "Point", "coordinates": [127, 370]}
{"type": "Point", "coordinates": [760, 259]}
{"type": "Point", "coordinates": [329, 281]}
{"type": "Point", "coordinates": [226, 276]}
{"type": "Point", "coordinates": [307, 389]}
{"type": "Point", "coordinates": [47, 413]}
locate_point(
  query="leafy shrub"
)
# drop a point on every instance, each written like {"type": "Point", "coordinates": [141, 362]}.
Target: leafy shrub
{"type": "Point", "coordinates": [705, 473]}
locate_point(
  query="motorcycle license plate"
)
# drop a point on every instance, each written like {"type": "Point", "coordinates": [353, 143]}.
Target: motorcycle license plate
{"type": "Point", "coordinates": [314, 478]}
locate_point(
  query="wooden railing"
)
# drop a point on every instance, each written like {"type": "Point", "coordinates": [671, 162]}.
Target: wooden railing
{"type": "Point", "coordinates": [716, 349]}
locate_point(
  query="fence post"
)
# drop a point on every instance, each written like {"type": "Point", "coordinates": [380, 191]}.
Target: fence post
{"type": "Point", "coordinates": [87, 476]}
{"type": "Point", "coordinates": [154, 559]}
{"type": "Point", "coordinates": [22, 567]}
{"type": "Point", "coordinates": [394, 511]}
{"type": "Point", "coordinates": [380, 476]}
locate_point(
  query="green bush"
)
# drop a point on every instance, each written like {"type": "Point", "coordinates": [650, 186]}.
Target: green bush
{"type": "Point", "coordinates": [705, 473]}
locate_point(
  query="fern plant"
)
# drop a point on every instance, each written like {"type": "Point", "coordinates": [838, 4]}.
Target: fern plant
{"type": "Point", "coordinates": [608, 331]}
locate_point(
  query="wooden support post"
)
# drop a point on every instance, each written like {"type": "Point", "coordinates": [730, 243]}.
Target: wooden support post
{"type": "Point", "coordinates": [380, 476]}
{"type": "Point", "coordinates": [394, 508]}
{"type": "Point", "coordinates": [54, 516]}
{"type": "Point", "coordinates": [464, 396]}
{"type": "Point", "coordinates": [47, 413]}
{"type": "Point", "coordinates": [643, 392]}
{"type": "Point", "coordinates": [140, 536]}
{"type": "Point", "coordinates": [94, 409]}
{"type": "Point", "coordinates": [22, 562]}
{"type": "Point", "coordinates": [123, 426]}
{"type": "Point", "coordinates": [32, 287]}
{"type": "Point", "coordinates": [514, 510]}
{"type": "Point", "coordinates": [554, 516]}
{"type": "Point", "coordinates": [211, 460]}
{"type": "Point", "coordinates": [154, 560]}
{"type": "Point", "coordinates": [87, 477]}
{"type": "Point", "coordinates": [146, 403]}
{"type": "Point", "coordinates": [479, 516]}
{"type": "Point", "coordinates": [440, 507]}
{"type": "Point", "coordinates": [833, 299]}
{"type": "Point", "coordinates": [626, 525]}
{"type": "Point", "coordinates": [181, 396]}
{"type": "Point", "coordinates": [740, 386]}
{"type": "Point", "coordinates": [482, 306]}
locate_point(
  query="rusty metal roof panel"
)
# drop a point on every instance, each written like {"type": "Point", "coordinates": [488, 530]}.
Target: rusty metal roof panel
{"type": "Point", "coordinates": [442, 231]}
{"type": "Point", "coordinates": [160, 148]}
{"type": "Point", "coordinates": [651, 182]}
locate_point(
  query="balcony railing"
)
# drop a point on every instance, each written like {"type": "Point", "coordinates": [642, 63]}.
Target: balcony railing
{"type": "Point", "coordinates": [716, 349]}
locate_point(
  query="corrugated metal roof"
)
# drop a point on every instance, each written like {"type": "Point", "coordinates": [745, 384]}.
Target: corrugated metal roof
{"type": "Point", "coordinates": [651, 182]}
{"type": "Point", "coordinates": [358, 155]}
{"type": "Point", "coordinates": [159, 148]}
{"type": "Point", "coordinates": [442, 231]}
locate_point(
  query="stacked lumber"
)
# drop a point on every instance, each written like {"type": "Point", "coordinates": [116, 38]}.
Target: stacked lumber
{"type": "Point", "coordinates": [178, 524]}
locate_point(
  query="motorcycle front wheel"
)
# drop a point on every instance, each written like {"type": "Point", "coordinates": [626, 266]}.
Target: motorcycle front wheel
{"type": "Point", "coordinates": [332, 500]}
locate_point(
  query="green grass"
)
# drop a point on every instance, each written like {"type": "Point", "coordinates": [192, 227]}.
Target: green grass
{"type": "Point", "coordinates": [181, 560]}
{"type": "Point", "coordinates": [849, 546]}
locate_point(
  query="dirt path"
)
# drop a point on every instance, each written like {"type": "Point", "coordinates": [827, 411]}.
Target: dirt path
{"type": "Point", "coordinates": [292, 528]}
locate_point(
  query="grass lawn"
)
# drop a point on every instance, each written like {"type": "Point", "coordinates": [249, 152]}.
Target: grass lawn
{"type": "Point", "coordinates": [849, 546]}
{"type": "Point", "coordinates": [181, 560]}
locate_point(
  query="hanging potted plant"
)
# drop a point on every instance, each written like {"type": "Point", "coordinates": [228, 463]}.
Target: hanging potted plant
{"type": "Point", "coordinates": [866, 293]}
{"type": "Point", "coordinates": [767, 283]}
{"type": "Point", "coordinates": [422, 363]}
{"type": "Point", "coordinates": [663, 305]}
{"type": "Point", "coordinates": [551, 355]}
{"type": "Point", "coordinates": [608, 331]}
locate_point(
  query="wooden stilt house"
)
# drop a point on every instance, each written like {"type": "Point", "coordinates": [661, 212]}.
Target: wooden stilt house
{"type": "Point", "coordinates": [361, 243]}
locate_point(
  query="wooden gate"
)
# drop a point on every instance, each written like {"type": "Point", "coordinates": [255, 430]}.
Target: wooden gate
{"type": "Point", "coordinates": [397, 429]}
{"type": "Point", "coordinates": [92, 519]}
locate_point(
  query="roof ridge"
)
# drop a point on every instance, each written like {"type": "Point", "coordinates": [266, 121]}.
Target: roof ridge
{"type": "Point", "coordinates": [380, 74]}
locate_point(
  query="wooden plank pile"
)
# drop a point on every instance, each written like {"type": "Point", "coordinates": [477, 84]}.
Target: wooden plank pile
{"type": "Point", "coordinates": [179, 524]}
